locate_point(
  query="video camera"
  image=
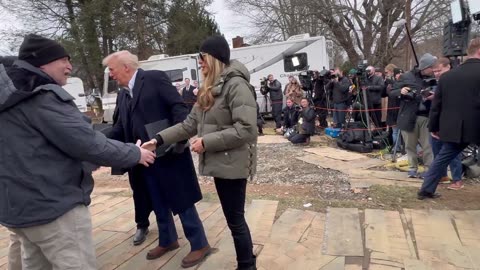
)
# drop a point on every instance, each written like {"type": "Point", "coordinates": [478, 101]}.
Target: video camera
{"type": "Point", "coordinates": [306, 78]}
{"type": "Point", "coordinates": [362, 73]}
{"type": "Point", "coordinates": [264, 89]}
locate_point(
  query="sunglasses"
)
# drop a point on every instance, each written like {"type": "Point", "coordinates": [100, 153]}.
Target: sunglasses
{"type": "Point", "coordinates": [201, 56]}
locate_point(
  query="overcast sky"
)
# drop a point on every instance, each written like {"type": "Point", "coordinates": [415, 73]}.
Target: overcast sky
{"type": "Point", "coordinates": [231, 25]}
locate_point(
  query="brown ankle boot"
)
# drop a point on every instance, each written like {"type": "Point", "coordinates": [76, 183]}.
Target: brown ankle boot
{"type": "Point", "coordinates": [160, 251]}
{"type": "Point", "coordinates": [195, 257]}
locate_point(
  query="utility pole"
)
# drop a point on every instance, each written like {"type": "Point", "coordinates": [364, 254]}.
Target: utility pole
{"type": "Point", "coordinates": [408, 19]}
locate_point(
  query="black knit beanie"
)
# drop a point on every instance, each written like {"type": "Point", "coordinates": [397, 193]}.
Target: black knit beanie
{"type": "Point", "coordinates": [39, 51]}
{"type": "Point", "coordinates": [217, 47]}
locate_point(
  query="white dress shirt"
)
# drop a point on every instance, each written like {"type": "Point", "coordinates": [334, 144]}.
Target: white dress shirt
{"type": "Point", "coordinates": [131, 83]}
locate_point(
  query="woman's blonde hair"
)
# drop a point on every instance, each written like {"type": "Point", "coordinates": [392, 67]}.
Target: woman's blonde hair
{"type": "Point", "coordinates": [205, 97]}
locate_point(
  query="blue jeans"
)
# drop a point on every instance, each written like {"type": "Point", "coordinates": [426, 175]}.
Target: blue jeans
{"type": "Point", "coordinates": [339, 116]}
{"type": "Point", "coordinates": [455, 164]}
{"type": "Point", "coordinates": [447, 153]}
{"type": "Point", "coordinates": [397, 134]}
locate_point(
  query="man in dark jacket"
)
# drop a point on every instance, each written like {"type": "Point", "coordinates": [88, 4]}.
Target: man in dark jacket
{"type": "Point", "coordinates": [392, 74]}
{"type": "Point", "coordinates": [454, 118]}
{"type": "Point", "coordinates": [340, 90]}
{"type": "Point", "coordinates": [276, 96]}
{"type": "Point", "coordinates": [374, 86]}
{"type": "Point", "coordinates": [189, 96]}
{"type": "Point", "coordinates": [46, 140]}
{"type": "Point", "coordinates": [414, 110]}
{"type": "Point", "coordinates": [290, 115]}
{"type": "Point", "coordinates": [170, 184]}
{"type": "Point", "coordinates": [320, 97]}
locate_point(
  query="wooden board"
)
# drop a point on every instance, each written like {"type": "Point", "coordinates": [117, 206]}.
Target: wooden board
{"type": "Point", "coordinates": [272, 139]}
{"type": "Point", "coordinates": [468, 224]}
{"type": "Point", "coordinates": [344, 166]}
{"type": "Point", "coordinates": [335, 153]}
{"type": "Point", "coordinates": [437, 239]}
{"type": "Point", "coordinates": [388, 175]}
{"type": "Point", "coordinates": [112, 213]}
{"type": "Point", "coordinates": [259, 216]}
{"type": "Point", "coordinates": [295, 242]}
{"type": "Point", "coordinates": [366, 183]}
{"type": "Point", "coordinates": [343, 236]}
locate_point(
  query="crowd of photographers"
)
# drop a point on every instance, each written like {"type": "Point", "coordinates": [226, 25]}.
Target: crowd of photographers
{"type": "Point", "coordinates": [406, 115]}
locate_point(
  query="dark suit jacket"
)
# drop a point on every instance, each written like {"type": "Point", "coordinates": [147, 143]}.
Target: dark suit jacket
{"type": "Point", "coordinates": [188, 96]}
{"type": "Point", "coordinates": [155, 99]}
{"type": "Point", "coordinates": [455, 110]}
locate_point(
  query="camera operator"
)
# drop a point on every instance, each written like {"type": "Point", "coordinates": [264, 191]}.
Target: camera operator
{"type": "Point", "coordinates": [340, 90]}
{"type": "Point", "coordinates": [320, 97]}
{"type": "Point", "coordinates": [276, 96]}
{"type": "Point", "coordinates": [414, 110]}
{"type": "Point", "coordinates": [392, 74]}
{"type": "Point", "coordinates": [290, 117]}
{"type": "Point", "coordinates": [306, 124]}
{"type": "Point", "coordinates": [374, 86]}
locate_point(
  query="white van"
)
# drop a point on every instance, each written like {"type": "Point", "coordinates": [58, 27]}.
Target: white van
{"type": "Point", "coordinates": [75, 88]}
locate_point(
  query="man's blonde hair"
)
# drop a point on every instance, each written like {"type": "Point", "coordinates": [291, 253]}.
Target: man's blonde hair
{"type": "Point", "coordinates": [473, 47]}
{"type": "Point", "coordinates": [123, 57]}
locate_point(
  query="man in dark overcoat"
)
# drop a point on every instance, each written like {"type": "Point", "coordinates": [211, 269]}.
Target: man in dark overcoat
{"type": "Point", "coordinates": [454, 117]}
{"type": "Point", "coordinates": [170, 184]}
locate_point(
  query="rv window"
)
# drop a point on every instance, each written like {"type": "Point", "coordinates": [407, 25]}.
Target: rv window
{"type": "Point", "coordinates": [295, 62]}
{"type": "Point", "coordinates": [193, 73]}
{"type": "Point", "coordinates": [175, 75]}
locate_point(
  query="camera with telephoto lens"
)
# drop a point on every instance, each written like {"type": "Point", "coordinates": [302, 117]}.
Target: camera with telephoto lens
{"type": "Point", "coordinates": [297, 108]}
{"type": "Point", "coordinates": [264, 86]}
{"type": "Point", "coordinates": [428, 87]}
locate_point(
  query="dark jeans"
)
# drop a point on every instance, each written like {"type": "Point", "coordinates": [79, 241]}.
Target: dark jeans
{"type": "Point", "coordinates": [299, 138]}
{"type": "Point", "coordinates": [339, 116]}
{"type": "Point", "coordinates": [376, 115]}
{"type": "Point", "coordinates": [437, 169]}
{"type": "Point", "coordinates": [191, 223]}
{"type": "Point", "coordinates": [455, 164]}
{"type": "Point", "coordinates": [141, 198]}
{"type": "Point", "coordinates": [277, 112]}
{"type": "Point", "coordinates": [231, 193]}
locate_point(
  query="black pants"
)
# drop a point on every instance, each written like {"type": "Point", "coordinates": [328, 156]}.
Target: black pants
{"type": "Point", "coordinates": [277, 112]}
{"type": "Point", "coordinates": [232, 198]}
{"type": "Point", "coordinates": [322, 112]}
{"type": "Point", "coordinates": [376, 115]}
{"type": "Point", "coordinates": [141, 198]}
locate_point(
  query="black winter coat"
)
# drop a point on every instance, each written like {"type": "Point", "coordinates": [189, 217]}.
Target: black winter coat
{"type": "Point", "coordinates": [307, 117]}
{"type": "Point", "coordinates": [275, 90]}
{"type": "Point", "coordinates": [155, 99]}
{"type": "Point", "coordinates": [290, 117]}
{"type": "Point", "coordinates": [339, 90]}
{"type": "Point", "coordinates": [375, 86]}
{"type": "Point", "coordinates": [393, 102]}
{"type": "Point", "coordinates": [456, 106]}
{"type": "Point", "coordinates": [409, 107]}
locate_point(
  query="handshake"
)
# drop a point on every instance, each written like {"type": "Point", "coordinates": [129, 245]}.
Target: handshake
{"type": "Point", "coordinates": [148, 155]}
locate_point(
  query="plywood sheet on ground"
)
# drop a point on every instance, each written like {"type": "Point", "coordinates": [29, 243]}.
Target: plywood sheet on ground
{"type": "Point", "coordinates": [259, 215]}
{"type": "Point", "coordinates": [272, 139]}
{"type": "Point", "coordinates": [335, 153]}
{"type": "Point", "coordinates": [437, 239]}
{"type": "Point", "coordinates": [295, 243]}
{"type": "Point", "coordinates": [343, 236]}
{"type": "Point", "coordinates": [368, 182]}
{"type": "Point", "coordinates": [339, 165]}
{"type": "Point", "coordinates": [385, 239]}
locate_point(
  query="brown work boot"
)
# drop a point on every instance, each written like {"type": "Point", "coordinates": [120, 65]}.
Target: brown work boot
{"type": "Point", "coordinates": [160, 251]}
{"type": "Point", "coordinates": [195, 257]}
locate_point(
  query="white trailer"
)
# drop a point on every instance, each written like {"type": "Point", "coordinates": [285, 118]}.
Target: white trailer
{"type": "Point", "coordinates": [281, 59]}
{"type": "Point", "coordinates": [75, 88]}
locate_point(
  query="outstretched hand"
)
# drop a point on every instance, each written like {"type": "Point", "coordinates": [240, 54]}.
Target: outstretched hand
{"type": "Point", "coordinates": [197, 146]}
{"type": "Point", "coordinates": [150, 145]}
{"type": "Point", "coordinates": [147, 157]}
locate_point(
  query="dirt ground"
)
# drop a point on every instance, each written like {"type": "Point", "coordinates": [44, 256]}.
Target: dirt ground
{"type": "Point", "coordinates": [296, 184]}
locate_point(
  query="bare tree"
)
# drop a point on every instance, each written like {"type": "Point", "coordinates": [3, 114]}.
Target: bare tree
{"type": "Point", "coordinates": [363, 29]}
